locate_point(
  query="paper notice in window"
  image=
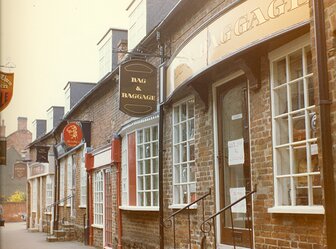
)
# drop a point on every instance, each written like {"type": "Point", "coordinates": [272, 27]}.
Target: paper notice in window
{"type": "Point", "coordinates": [236, 151]}
{"type": "Point", "coordinates": [236, 194]}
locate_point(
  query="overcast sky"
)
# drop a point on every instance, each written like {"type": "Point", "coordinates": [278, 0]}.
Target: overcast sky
{"type": "Point", "coordinates": [51, 42]}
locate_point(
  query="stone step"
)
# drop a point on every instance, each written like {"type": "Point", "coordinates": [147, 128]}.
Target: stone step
{"type": "Point", "coordinates": [59, 233]}
{"type": "Point", "coordinates": [52, 238]}
{"type": "Point", "coordinates": [33, 230]}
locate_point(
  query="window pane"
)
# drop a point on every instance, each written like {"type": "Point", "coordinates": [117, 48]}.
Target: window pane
{"type": "Point", "coordinates": [309, 60]}
{"type": "Point", "coordinates": [156, 198]}
{"type": "Point", "coordinates": [299, 129]}
{"type": "Point", "coordinates": [140, 183]}
{"type": "Point", "coordinates": [280, 100]}
{"type": "Point", "coordinates": [184, 172]}
{"type": "Point", "coordinates": [183, 112]}
{"type": "Point", "coordinates": [155, 133]}
{"type": "Point", "coordinates": [297, 95]}
{"type": "Point", "coordinates": [155, 181]}
{"type": "Point", "coordinates": [155, 149]}
{"type": "Point", "coordinates": [295, 62]}
{"type": "Point", "coordinates": [177, 196]}
{"type": "Point", "coordinates": [147, 135]}
{"type": "Point", "coordinates": [282, 159]}
{"type": "Point", "coordinates": [184, 152]}
{"type": "Point", "coordinates": [147, 182]}
{"type": "Point", "coordinates": [191, 129]}
{"type": "Point", "coordinates": [301, 188]}
{"type": "Point", "coordinates": [314, 158]}
{"type": "Point", "coordinates": [191, 108]}
{"type": "Point", "coordinates": [148, 199]}
{"type": "Point", "coordinates": [155, 165]}
{"type": "Point", "coordinates": [140, 199]}
{"type": "Point", "coordinates": [310, 91]}
{"type": "Point", "coordinates": [140, 152]}
{"type": "Point", "coordinates": [177, 174]}
{"type": "Point", "coordinates": [191, 151]}
{"type": "Point", "coordinates": [312, 124]}
{"type": "Point", "coordinates": [185, 193]}
{"type": "Point", "coordinates": [184, 131]}
{"type": "Point", "coordinates": [140, 136]}
{"type": "Point", "coordinates": [176, 154]}
{"type": "Point", "coordinates": [176, 134]}
{"type": "Point", "coordinates": [300, 159]}
{"type": "Point", "coordinates": [317, 190]}
{"type": "Point", "coordinates": [176, 115]}
{"type": "Point", "coordinates": [284, 191]}
{"type": "Point", "coordinates": [140, 167]}
{"type": "Point", "coordinates": [147, 167]}
{"type": "Point", "coordinates": [192, 192]}
{"type": "Point", "coordinates": [280, 72]}
{"type": "Point", "coordinates": [281, 131]}
{"type": "Point", "coordinates": [147, 150]}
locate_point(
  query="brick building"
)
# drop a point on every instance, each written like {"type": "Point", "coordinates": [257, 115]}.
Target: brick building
{"type": "Point", "coordinates": [244, 113]}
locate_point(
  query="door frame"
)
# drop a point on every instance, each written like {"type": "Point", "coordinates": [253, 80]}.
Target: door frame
{"type": "Point", "coordinates": [215, 88]}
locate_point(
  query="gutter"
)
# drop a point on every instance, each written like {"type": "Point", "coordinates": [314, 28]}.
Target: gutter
{"type": "Point", "coordinates": [325, 128]}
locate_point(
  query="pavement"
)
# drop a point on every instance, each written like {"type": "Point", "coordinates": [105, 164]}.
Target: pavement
{"type": "Point", "coordinates": [15, 236]}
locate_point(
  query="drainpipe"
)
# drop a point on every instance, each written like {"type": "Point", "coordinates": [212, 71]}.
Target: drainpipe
{"type": "Point", "coordinates": [116, 159]}
{"type": "Point", "coordinates": [324, 104]}
{"type": "Point", "coordinates": [161, 113]}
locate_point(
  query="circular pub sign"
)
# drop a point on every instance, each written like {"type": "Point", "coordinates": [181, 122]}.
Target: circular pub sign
{"type": "Point", "coordinates": [72, 134]}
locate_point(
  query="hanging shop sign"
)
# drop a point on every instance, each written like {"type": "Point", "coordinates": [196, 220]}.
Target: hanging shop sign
{"type": "Point", "coordinates": [6, 89]}
{"type": "Point", "coordinates": [137, 88]}
{"type": "Point", "coordinates": [42, 154]}
{"type": "Point", "coordinates": [37, 169]}
{"type": "Point", "coordinates": [72, 134]}
{"type": "Point", "coordinates": [20, 170]}
{"type": "Point", "coordinates": [249, 23]}
{"type": "Point", "coordinates": [3, 151]}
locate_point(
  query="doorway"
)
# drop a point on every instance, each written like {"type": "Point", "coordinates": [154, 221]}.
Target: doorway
{"type": "Point", "coordinates": [234, 171]}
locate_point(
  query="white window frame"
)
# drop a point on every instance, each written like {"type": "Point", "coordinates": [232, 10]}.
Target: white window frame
{"type": "Point", "coordinates": [141, 159]}
{"type": "Point", "coordinates": [124, 171]}
{"type": "Point", "coordinates": [62, 177]}
{"type": "Point", "coordinates": [34, 195]}
{"type": "Point", "coordinates": [49, 191]}
{"type": "Point", "coordinates": [281, 206]}
{"type": "Point", "coordinates": [83, 181]}
{"type": "Point", "coordinates": [178, 124]}
{"type": "Point", "coordinates": [69, 180]}
{"type": "Point", "coordinates": [98, 199]}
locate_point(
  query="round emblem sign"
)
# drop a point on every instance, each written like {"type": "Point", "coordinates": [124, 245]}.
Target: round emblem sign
{"type": "Point", "coordinates": [72, 134]}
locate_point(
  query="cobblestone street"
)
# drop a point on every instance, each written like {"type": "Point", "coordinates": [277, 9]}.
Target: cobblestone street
{"type": "Point", "coordinates": [15, 235]}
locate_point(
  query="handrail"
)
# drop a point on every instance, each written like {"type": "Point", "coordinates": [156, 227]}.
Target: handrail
{"type": "Point", "coordinates": [212, 217]}
{"type": "Point", "coordinates": [58, 202]}
{"type": "Point", "coordinates": [187, 206]}
{"type": "Point", "coordinates": [227, 207]}
{"type": "Point", "coordinates": [171, 218]}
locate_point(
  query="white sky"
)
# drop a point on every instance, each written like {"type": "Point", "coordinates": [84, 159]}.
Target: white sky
{"type": "Point", "coordinates": [52, 42]}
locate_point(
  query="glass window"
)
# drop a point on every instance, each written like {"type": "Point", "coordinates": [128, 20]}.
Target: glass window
{"type": "Point", "coordinates": [296, 169]}
{"type": "Point", "coordinates": [49, 191]}
{"type": "Point", "coordinates": [98, 198]}
{"type": "Point", "coordinates": [184, 180]}
{"type": "Point", "coordinates": [147, 145]}
{"type": "Point", "coordinates": [62, 175]}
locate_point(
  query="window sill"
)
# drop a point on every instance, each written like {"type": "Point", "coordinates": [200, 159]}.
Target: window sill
{"type": "Point", "coordinates": [61, 205]}
{"type": "Point", "coordinates": [82, 206]}
{"type": "Point", "coordinates": [296, 210]}
{"type": "Point", "coordinates": [137, 208]}
{"type": "Point", "coordinates": [97, 226]}
{"type": "Point", "coordinates": [180, 206]}
{"type": "Point", "coordinates": [47, 213]}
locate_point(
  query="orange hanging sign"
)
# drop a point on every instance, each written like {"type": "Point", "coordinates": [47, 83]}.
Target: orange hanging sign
{"type": "Point", "coordinates": [6, 89]}
{"type": "Point", "coordinates": [72, 134]}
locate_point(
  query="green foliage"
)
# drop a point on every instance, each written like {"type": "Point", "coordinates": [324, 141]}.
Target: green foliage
{"type": "Point", "coordinates": [18, 196]}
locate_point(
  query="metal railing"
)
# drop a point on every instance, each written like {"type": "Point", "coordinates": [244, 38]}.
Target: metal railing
{"type": "Point", "coordinates": [210, 222]}
{"type": "Point", "coordinates": [48, 209]}
{"type": "Point", "coordinates": [170, 221]}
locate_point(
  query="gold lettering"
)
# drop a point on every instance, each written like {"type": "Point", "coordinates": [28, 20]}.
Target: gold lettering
{"type": "Point", "coordinates": [138, 80]}
{"type": "Point", "coordinates": [138, 96]}
{"type": "Point", "coordinates": [276, 10]}
{"type": "Point", "coordinates": [257, 16]}
{"type": "Point", "coordinates": [295, 4]}
{"type": "Point", "coordinates": [241, 25]}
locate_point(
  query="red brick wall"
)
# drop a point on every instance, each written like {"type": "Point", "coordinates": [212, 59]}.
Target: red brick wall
{"type": "Point", "coordinates": [12, 211]}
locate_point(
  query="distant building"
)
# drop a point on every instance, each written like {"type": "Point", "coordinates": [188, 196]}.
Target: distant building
{"type": "Point", "coordinates": [13, 175]}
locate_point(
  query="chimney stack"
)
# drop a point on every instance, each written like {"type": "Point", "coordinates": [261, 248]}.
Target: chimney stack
{"type": "Point", "coordinates": [22, 123]}
{"type": "Point", "coordinates": [2, 129]}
